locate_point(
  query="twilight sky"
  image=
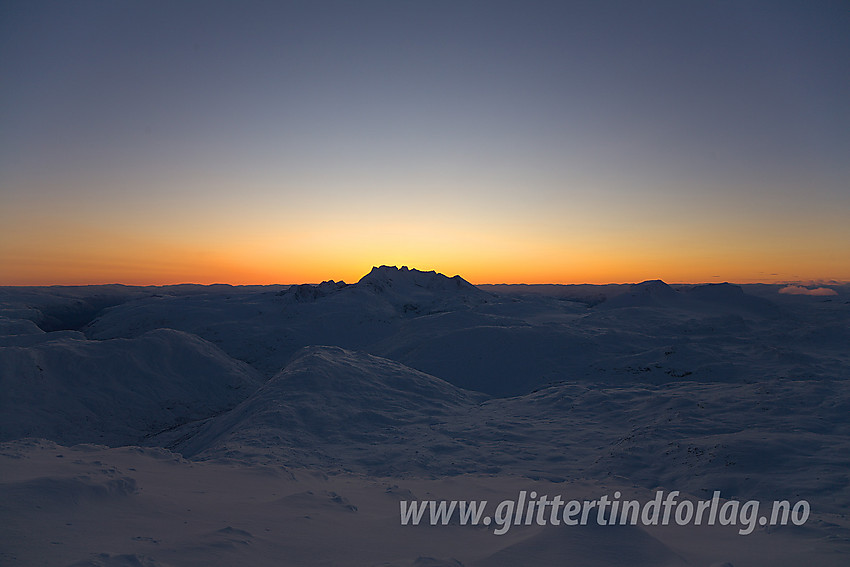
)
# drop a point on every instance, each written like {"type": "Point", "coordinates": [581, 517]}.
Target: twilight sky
{"type": "Point", "coordinates": [560, 142]}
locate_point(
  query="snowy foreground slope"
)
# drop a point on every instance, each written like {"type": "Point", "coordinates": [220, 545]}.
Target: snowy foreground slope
{"type": "Point", "coordinates": [219, 425]}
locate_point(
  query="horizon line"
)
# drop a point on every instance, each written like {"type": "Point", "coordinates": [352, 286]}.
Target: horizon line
{"type": "Point", "coordinates": [823, 282]}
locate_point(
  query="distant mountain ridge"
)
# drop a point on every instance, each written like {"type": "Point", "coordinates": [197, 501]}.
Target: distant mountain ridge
{"type": "Point", "coordinates": [386, 277]}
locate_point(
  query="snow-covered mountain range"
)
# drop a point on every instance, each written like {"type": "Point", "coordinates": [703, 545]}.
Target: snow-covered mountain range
{"type": "Point", "coordinates": [407, 378]}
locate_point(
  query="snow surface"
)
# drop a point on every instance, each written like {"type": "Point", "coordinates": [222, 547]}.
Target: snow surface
{"type": "Point", "coordinates": [281, 425]}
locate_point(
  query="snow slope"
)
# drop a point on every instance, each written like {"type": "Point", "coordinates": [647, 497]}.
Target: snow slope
{"type": "Point", "coordinates": [72, 390]}
{"type": "Point", "coordinates": [131, 506]}
{"type": "Point", "coordinates": [333, 408]}
{"type": "Point", "coordinates": [342, 410]}
{"type": "Point", "coordinates": [255, 425]}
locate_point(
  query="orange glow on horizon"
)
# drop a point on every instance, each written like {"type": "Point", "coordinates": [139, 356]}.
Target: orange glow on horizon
{"type": "Point", "coordinates": [199, 268]}
{"type": "Point", "coordinates": [136, 251]}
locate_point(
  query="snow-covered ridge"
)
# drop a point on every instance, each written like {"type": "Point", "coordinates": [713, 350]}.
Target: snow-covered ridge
{"type": "Point", "coordinates": [415, 293]}
{"type": "Point", "coordinates": [324, 403]}
{"type": "Point", "coordinates": [404, 279]}
{"type": "Point", "coordinates": [308, 292]}
{"type": "Point", "coordinates": [118, 391]}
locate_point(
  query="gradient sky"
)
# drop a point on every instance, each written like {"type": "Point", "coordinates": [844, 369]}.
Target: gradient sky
{"type": "Point", "coordinates": [561, 142]}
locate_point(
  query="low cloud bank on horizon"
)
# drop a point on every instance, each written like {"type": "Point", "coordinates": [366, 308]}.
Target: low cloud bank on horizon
{"type": "Point", "coordinates": [800, 290]}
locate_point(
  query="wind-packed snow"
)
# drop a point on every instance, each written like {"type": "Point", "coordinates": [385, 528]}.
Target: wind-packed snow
{"type": "Point", "coordinates": [220, 425]}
